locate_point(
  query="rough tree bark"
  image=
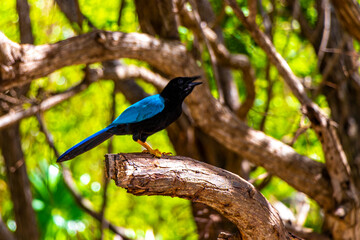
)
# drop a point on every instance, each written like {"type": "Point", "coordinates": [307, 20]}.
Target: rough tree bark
{"type": "Point", "coordinates": [186, 178]}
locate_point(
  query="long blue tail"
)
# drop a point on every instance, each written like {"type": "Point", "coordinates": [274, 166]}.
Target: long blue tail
{"type": "Point", "coordinates": [86, 144]}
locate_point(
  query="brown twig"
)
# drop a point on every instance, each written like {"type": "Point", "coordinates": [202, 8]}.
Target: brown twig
{"type": "Point", "coordinates": [265, 179]}
{"type": "Point", "coordinates": [329, 68]}
{"type": "Point", "coordinates": [235, 61]}
{"type": "Point", "coordinates": [213, 60]}
{"type": "Point", "coordinates": [326, 33]}
{"type": "Point", "coordinates": [14, 117]}
{"type": "Point", "coordinates": [269, 95]}
{"type": "Point", "coordinates": [121, 8]}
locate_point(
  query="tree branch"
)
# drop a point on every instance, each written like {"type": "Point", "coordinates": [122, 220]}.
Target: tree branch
{"type": "Point", "coordinates": [14, 117]}
{"type": "Point", "coordinates": [216, 120]}
{"type": "Point", "coordinates": [336, 161]}
{"type": "Point", "coordinates": [97, 46]}
{"type": "Point", "coordinates": [116, 72]}
{"type": "Point", "coordinates": [186, 178]}
{"type": "Point", "coordinates": [200, 26]}
{"type": "Point", "coordinates": [234, 61]}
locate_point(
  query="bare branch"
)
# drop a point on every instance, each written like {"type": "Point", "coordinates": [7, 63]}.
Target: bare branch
{"type": "Point", "coordinates": [18, 183]}
{"type": "Point", "coordinates": [71, 9]}
{"type": "Point", "coordinates": [121, 8]}
{"type": "Point", "coordinates": [86, 205]}
{"type": "Point", "coordinates": [329, 68]}
{"type": "Point", "coordinates": [14, 117]}
{"type": "Point", "coordinates": [235, 61]}
{"type": "Point", "coordinates": [121, 72]}
{"type": "Point", "coordinates": [336, 160]}
{"type": "Point", "coordinates": [269, 95]}
{"type": "Point", "coordinates": [216, 120]}
{"type": "Point", "coordinates": [213, 60]}
{"type": "Point", "coordinates": [116, 72]}
{"type": "Point", "coordinates": [184, 177]}
{"type": "Point", "coordinates": [93, 47]}
{"type": "Point", "coordinates": [326, 32]}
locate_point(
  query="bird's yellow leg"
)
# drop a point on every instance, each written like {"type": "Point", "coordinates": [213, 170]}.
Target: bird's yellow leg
{"type": "Point", "coordinates": [150, 150]}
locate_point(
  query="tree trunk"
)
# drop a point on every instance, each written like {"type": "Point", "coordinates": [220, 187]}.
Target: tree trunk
{"type": "Point", "coordinates": [19, 185]}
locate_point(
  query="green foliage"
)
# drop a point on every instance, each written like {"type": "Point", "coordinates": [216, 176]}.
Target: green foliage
{"type": "Point", "coordinates": [169, 218]}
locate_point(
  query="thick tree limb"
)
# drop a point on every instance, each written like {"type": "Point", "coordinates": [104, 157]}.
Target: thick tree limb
{"type": "Point", "coordinates": [36, 61]}
{"type": "Point", "coordinates": [184, 177]}
{"type": "Point", "coordinates": [172, 58]}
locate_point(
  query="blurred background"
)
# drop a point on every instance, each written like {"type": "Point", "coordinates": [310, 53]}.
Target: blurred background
{"type": "Point", "coordinates": [74, 201]}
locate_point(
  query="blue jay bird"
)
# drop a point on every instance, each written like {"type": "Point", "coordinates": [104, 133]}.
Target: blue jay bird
{"type": "Point", "coordinates": [142, 119]}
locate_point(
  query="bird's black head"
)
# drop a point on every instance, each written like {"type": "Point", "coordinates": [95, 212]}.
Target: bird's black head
{"type": "Point", "coordinates": [180, 87]}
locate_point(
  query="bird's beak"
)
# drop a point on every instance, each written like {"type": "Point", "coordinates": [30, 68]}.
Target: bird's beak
{"type": "Point", "coordinates": [192, 79]}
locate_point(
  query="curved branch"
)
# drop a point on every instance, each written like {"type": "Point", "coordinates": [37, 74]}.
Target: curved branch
{"type": "Point", "coordinates": [97, 46]}
{"type": "Point", "coordinates": [216, 120]}
{"type": "Point", "coordinates": [186, 178]}
{"type": "Point", "coordinates": [14, 117]}
{"type": "Point", "coordinates": [336, 161]}
{"type": "Point", "coordinates": [116, 72]}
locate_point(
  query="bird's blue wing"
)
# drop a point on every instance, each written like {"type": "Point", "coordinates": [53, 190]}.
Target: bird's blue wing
{"type": "Point", "coordinates": [144, 109]}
